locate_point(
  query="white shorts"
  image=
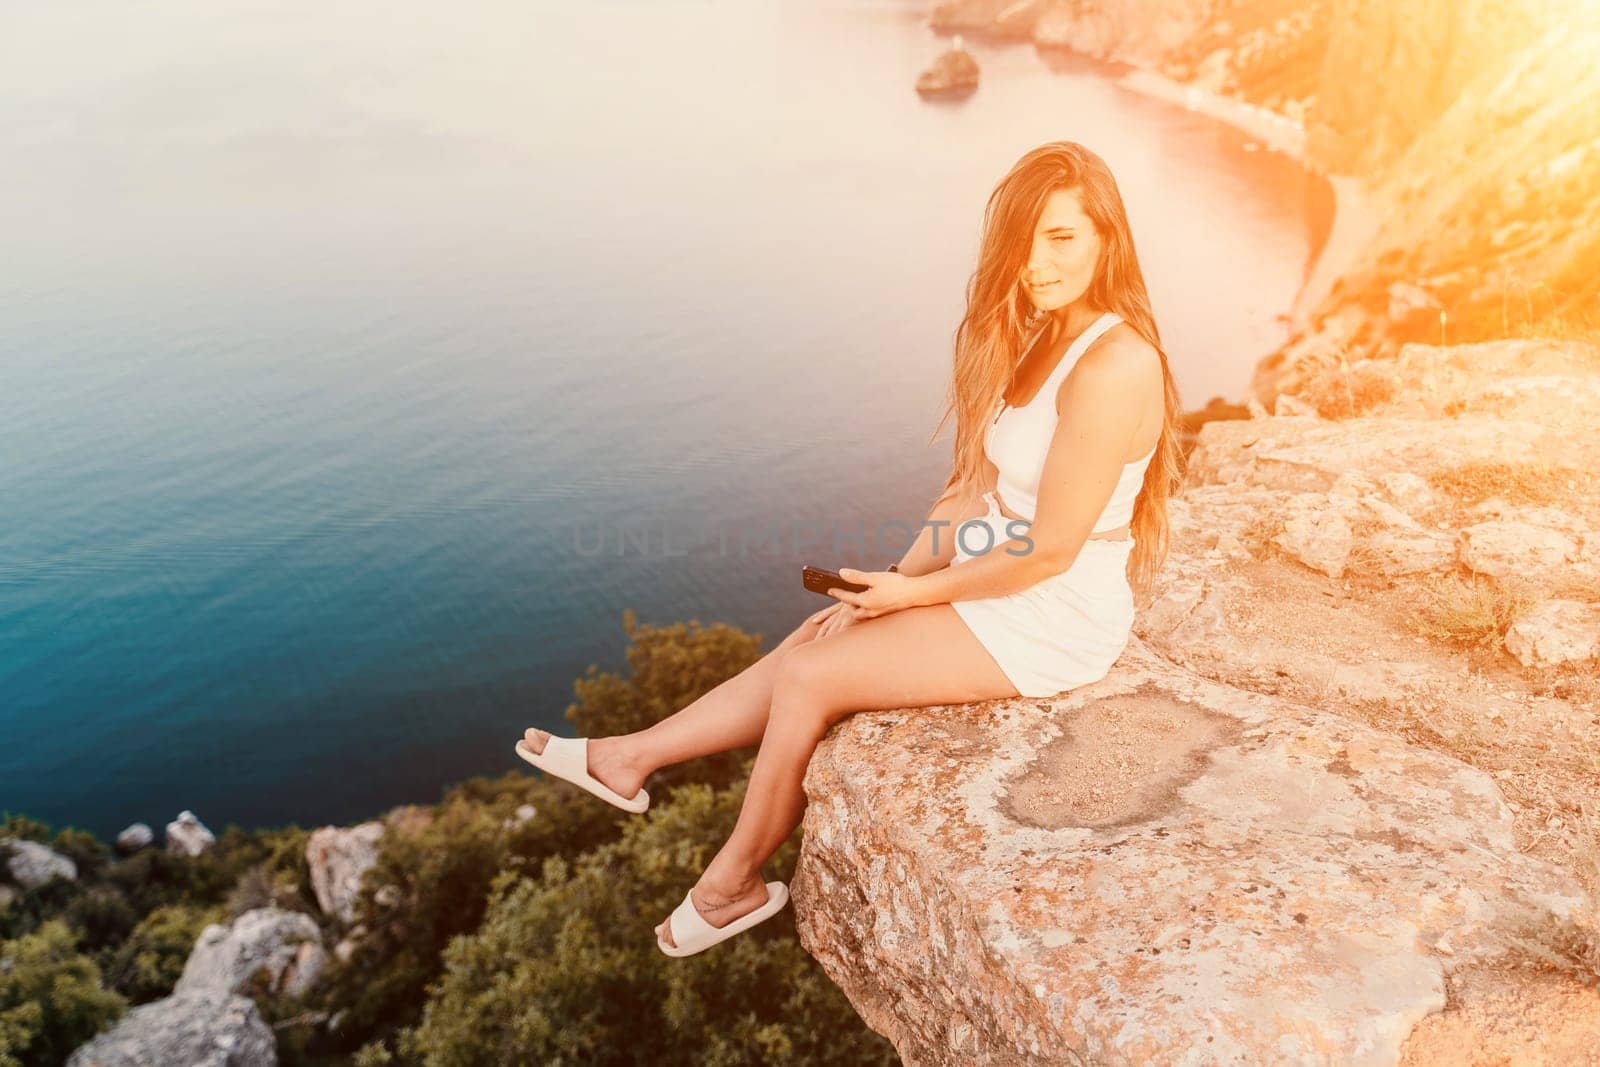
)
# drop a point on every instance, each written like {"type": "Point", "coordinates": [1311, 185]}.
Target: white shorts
{"type": "Point", "coordinates": [1057, 634]}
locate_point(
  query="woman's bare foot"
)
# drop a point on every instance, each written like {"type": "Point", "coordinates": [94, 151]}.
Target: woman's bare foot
{"type": "Point", "coordinates": [609, 760]}
{"type": "Point", "coordinates": [720, 903]}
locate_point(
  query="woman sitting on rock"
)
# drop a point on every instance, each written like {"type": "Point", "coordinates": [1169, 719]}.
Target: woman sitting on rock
{"type": "Point", "coordinates": [1020, 581]}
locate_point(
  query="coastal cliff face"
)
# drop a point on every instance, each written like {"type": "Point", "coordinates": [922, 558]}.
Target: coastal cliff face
{"type": "Point", "coordinates": [1389, 70]}
{"type": "Point", "coordinates": [1264, 52]}
{"type": "Point", "coordinates": [1470, 129]}
{"type": "Point", "coordinates": [1310, 816]}
{"type": "Point", "coordinates": [1488, 220]}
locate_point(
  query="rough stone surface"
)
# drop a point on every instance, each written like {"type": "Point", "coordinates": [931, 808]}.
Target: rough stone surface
{"type": "Point", "coordinates": [1156, 868]}
{"type": "Point", "coordinates": [953, 73]}
{"type": "Point", "coordinates": [205, 1029]}
{"type": "Point", "coordinates": [269, 949]}
{"type": "Point", "coordinates": [32, 864]}
{"type": "Point", "coordinates": [135, 837]}
{"type": "Point", "coordinates": [1556, 631]}
{"type": "Point", "coordinates": [1294, 824]}
{"type": "Point", "coordinates": [188, 836]}
{"type": "Point", "coordinates": [339, 857]}
{"type": "Point", "coordinates": [1515, 548]}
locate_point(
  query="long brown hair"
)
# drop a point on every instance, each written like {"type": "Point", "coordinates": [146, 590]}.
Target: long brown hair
{"type": "Point", "coordinates": [989, 341]}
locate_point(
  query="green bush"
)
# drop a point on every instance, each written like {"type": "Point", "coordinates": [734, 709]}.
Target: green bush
{"type": "Point", "coordinates": [101, 916]}
{"type": "Point", "coordinates": [51, 1000]}
{"type": "Point", "coordinates": [482, 937]}
{"type": "Point", "coordinates": [153, 878]}
{"type": "Point", "coordinates": [88, 852]}
{"type": "Point", "coordinates": [440, 877]}
{"type": "Point", "coordinates": [27, 829]}
{"type": "Point", "coordinates": [564, 968]}
{"type": "Point", "coordinates": [442, 874]}
{"type": "Point", "coordinates": [148, 964]}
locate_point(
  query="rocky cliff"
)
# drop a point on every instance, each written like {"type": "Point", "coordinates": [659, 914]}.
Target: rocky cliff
{"type": "Point", "coordinates": [1338, 803]}
{"type": "Point", "coordinates": [1471, 127]}
{"type": "Point", "coordinates": [1488, 216]}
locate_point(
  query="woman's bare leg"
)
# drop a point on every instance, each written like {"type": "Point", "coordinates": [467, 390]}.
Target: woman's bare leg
{"type": "Point", "coordinates": [733, 715]}
{"type": "Point", "coordinates": [911, 658]}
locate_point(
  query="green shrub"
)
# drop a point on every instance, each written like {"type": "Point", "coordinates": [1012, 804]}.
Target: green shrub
{"type": "Point", "coordinates": [101, 916]}
{"type": "Point", "coordinates": [51, 999]}
{"type": "Point", "coordinates": [440, 877]}
{"type": "Point", "coordinates": [564, 968]}
{"type": "Point", "coordinates": [442, 874]}
{"type": "Point", "coordinates": [148, 964]}
{"type": "Point", "coordinates": [88, 852]}
{"type": "Point", "coordinates": [25, 828]}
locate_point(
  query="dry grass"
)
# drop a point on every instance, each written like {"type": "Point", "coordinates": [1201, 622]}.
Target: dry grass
{"type": "Point", "coordinates": [1536, 317]}
{"type": "Point", "coordinates": [1470, 611]}
{"type": "Point", "coordinates": [1564, 944]}
{"type": "Point", "coordinates": [1258, 533]}
{"type": "Point", "coordinates": [1523, 310]}
{"type": "Point", "coordinates": [1532, 482]}
{"type": "Point", "coordinates": [1576, 683]}
{"type": "Point", "coordinates": [1339, 389]}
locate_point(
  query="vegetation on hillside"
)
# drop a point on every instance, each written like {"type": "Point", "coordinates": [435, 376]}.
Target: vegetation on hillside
{"type": "Point", "coordinates": [481, 938]}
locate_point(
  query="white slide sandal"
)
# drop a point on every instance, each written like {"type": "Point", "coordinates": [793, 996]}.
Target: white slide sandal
{"type": "Point", "coordinates": [567, 758]}
{"type": "Point", "coordinates": [691, 933]}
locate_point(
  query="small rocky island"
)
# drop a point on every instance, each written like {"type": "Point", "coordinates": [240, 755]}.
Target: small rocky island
{"type": "Point", "coordinates": [953, 76]}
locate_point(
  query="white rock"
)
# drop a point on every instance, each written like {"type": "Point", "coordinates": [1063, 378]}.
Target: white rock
{"type": "Point", "coordinates": [1503, 548]}
{"type": "Point", "coordinates": [1408, 491]}
{"type": "Point", "coordinates": [188, 836]}
{"type": "Point", "coordinates": [1230, 547]}
{"type": "Point", "coordinates": [135, 837]}
{"type": "Point", "coordinates": [1397, 552]}
{"type": "Point", "coordinates": [1555, 631]}
{"type": "Point", "coordinates": [1321, 540]}
{"type": "Point", "coordinates": [32, 864]}
{"type": "Point", "coordinates": [339, 857]}
{"type": "Point", "coordinates": [1388, 514]}
{"type": "Point", "coordinates": [284, 947]}
{"type": "Point", "coordinates": [1292, 405]}
{"type": "Point", "coordinates": [202, 1029]}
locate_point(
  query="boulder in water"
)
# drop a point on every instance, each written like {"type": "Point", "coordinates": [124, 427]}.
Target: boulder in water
{"type": "Point", "coordinates": [953, 74]}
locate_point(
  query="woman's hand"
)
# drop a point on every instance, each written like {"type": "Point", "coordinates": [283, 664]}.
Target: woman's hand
{"type": "Point", "coordinates": [886, 592]}
{"type": "Point", "coordinates": [833, 618]}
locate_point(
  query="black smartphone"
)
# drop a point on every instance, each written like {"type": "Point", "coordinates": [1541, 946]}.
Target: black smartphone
{"type": "Point", "coordinates": [820, 580]}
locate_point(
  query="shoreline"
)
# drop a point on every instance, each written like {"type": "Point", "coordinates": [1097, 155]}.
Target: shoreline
{"type": "Point", "coordinates": [1353, 219]}
{"type": "Point", "coordinates": [1277, 132]}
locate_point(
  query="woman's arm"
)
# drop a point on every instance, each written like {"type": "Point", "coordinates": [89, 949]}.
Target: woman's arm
{"type": "Point", "coordinates": [1100, 412]}
{"type": "Point", "coordinates": [935, 545]}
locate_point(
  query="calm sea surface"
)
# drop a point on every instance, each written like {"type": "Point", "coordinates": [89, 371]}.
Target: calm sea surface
{"type": "Point", "coordinates": [335, 338]}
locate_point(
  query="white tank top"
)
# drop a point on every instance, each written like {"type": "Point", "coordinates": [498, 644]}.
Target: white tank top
{"type": "Point", "coordinates": [1018, 439]}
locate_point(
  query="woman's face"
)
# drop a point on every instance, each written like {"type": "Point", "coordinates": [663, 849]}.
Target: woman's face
{"type": "Point", "coordinates": [1066, 248]}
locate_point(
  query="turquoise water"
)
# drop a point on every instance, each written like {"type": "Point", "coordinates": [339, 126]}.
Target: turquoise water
{"type": "Point", "coordinates": [333, 339]}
